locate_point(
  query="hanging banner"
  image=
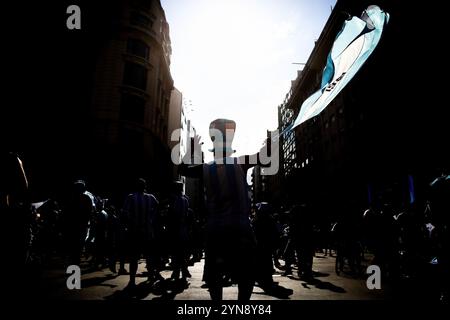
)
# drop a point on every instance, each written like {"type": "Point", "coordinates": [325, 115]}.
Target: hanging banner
{"type": "Point", "coordinates": [351, 48]}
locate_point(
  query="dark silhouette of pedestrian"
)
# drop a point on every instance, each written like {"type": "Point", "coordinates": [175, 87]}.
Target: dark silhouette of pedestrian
{"type": "Point", "coordinates": [196, 237]}
{"type": "Point", "coordinates": [303, 238]}
{"type": "Point", "coordinates": [230, 242]}
{"type": "Point", "coordinates": [178, 230]}
{"type": "Point", "coordinates": [267, 238]}
{"type": "Point", "coordinates": [116, 238]}
{"type": "Point", "coordinates": [15, 207]}
{"type": "Point", "coordinates": [100, 230]}
{"type": "Point", "coordinates": [140, 209]}
{"type": "Point", "coordinates": [78, 213]}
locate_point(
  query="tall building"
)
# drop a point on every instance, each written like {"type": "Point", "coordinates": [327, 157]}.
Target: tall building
{"type": "Point", "coordinates": [177, 121]}
{"type": "Point", "coordinates": [101, 112]}
{"type": "Point", "coordinates": [288, 155]}
{"type": "Point", "coordinates": [266, 187]}
{"type": "Point", "coordinates": [194, 186]}
{"type": "Point", "coordinates": [132, 90]}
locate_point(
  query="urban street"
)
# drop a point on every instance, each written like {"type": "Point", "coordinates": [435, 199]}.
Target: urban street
{"type": "Point", "coordinates": [234, 145]}
{"type": "Point", "coordinates": [104, 285]}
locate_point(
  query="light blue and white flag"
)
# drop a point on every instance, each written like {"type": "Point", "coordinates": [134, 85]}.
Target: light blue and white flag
{"type": "Point", "coordinates": [351, 48]}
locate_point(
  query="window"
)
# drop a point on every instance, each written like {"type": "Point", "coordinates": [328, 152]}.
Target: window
{"type": "Point", "coordinates": [138, 48]}
{"type": "Point", "coordinates": [132, 108]}
{"type": "Point", "coordinates": [141, 20]}
{"type": "Point", "coordinates": [135, 75]}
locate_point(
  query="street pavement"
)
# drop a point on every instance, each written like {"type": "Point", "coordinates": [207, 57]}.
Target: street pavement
{"type": "Point", "coordinates": [104, 285]}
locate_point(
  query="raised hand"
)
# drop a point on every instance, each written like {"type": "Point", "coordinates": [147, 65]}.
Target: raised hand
{"type": "Point", "coordinates": [193, 151]}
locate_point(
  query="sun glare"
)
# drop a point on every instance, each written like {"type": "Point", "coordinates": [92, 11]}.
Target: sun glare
{"type": "Point", "coordinates": [233, 59]}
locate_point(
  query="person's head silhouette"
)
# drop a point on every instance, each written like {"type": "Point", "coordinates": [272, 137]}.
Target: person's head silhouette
{"type": "Point", "coordinates": [178, 187]}
{"type": "Point", "coordinates": [221, 132]}
{"type": "Point", "coordinates": [141, 185]}
{"type": "Point", "coordinates": [79, 186]}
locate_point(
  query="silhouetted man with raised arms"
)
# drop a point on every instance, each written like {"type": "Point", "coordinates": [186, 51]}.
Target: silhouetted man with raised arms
{"type": "Point", "coordinates": [230, 242]}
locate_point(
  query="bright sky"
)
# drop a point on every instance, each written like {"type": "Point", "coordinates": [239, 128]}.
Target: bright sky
{"type": "Point", "coordinates": [233, 59]}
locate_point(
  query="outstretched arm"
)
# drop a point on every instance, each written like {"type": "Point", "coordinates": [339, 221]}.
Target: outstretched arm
{"type": "Point", "coordinates": [260, 158]}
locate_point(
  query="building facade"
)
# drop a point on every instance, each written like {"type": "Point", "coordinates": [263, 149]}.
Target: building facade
{"type": "Point", "coordinates": [267, 187]}
{"type": "Point", "coordinates": [177, 123]}
{"type": "Point", "coordinates": [131, 93]}
{"type": "Point", "coordinates": [102, 112]}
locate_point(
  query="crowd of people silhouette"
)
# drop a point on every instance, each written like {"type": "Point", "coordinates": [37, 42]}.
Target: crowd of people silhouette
{"type": "Point", "coordinates": [240, 244]}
